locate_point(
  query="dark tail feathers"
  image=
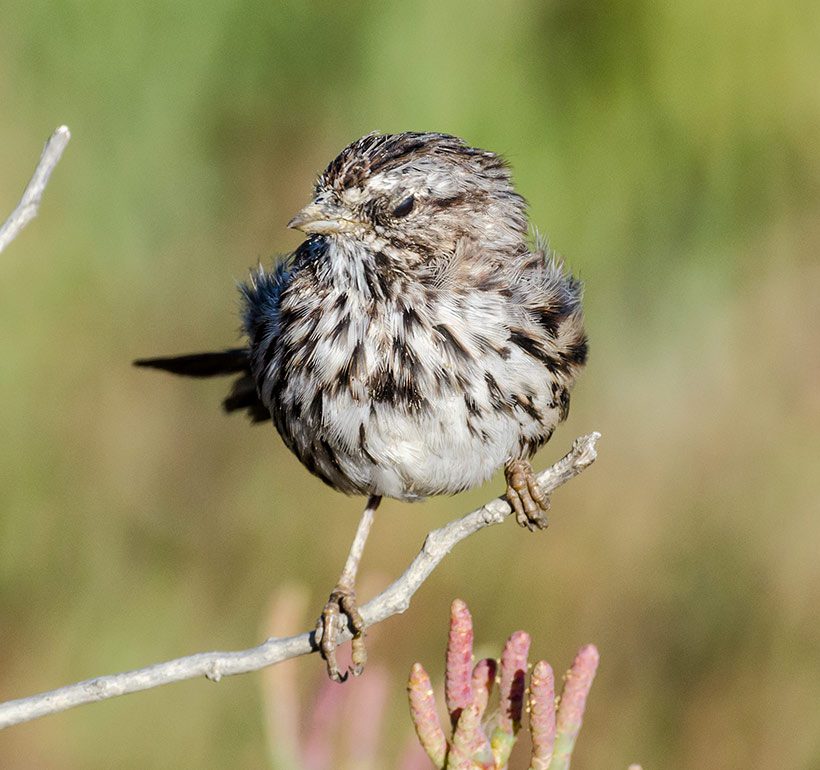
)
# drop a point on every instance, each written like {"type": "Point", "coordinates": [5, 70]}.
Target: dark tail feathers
{"type": "Point", "coordinates": [243, 394]}
{"type": "Point", "coordinates": [201, 364]}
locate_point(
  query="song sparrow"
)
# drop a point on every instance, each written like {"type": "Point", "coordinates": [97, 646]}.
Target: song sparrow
{"type": "Point", "coordinates": [414, 343]}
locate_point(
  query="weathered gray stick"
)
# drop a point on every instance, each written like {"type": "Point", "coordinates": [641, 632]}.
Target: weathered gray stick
{"type": "Point", "coordinates": [27, 207]}
{"type": "Point", "coordinates": [214, 665]}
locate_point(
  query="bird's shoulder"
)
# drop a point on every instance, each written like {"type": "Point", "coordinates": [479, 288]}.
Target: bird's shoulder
{"type": "Point", "coordinates": [532, 277]}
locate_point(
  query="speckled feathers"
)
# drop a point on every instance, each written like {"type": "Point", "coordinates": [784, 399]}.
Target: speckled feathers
{"type": "Point", "coordinates": [415, 342]}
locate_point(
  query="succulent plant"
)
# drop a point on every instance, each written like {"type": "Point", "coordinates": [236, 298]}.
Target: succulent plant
{"type": "Point", "coordinates": [479, 741]}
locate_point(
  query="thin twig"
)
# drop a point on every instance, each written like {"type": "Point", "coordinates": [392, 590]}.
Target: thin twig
{"type": "Point", "coordinates": [214, 665]}
{"type": "Point", "coordinates": [27, 207]}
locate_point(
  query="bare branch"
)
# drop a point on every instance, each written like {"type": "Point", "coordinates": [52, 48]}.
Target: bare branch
{"type": "Point", "coordinates": [27, 207]}
{"type": "Point", "coordinates": [214, 665]}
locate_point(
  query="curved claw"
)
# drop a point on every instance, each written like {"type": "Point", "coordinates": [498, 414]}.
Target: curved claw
{"type": "Point", "coordinates": [341, 606]}
{"type": "Point", "coordinates": [526, 498]}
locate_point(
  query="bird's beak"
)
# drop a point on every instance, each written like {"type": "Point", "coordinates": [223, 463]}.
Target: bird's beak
{"type": "Point", "coordinates": [322, 218]}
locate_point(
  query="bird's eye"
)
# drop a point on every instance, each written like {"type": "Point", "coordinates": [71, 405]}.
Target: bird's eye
{"type": "Point", "coordinates": [405, 207]}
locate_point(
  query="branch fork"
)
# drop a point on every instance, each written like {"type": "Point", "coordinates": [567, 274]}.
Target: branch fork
{"type": "Point", "coordinates": [393, 600]}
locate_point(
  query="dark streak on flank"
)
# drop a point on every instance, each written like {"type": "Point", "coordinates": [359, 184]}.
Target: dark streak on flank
{"type": "Point", "coordinates": [529, 446]}
{"type": "Point", "coordinates": [496, 395]}
{"type": "Point", "coordinates": [462, 382]}
{"type": "Point", "coordinates": [363, 444]}
{"type": "Point", "coordinates": [385, 272]}
{"type": "Point", "coordinates": [373, 282]}
{"type": "Point", "coordinates": [384, 388]}
{"type": "Point", "coordinates": [527, 405]}
{"type": "Point", "coordinates": [277, 388]}
{"type": "Point", "coordinates": [353, 367]}
{"type": "Point", "coordinates": [487, 282]}
{"type": "Point", "coordinates": [472, 406]}
{"type": "Point", "coordinates": [563, 404]}
{"type": "Point", "coordinates": [486, 346]}
{"type": "Point", "coordinates": [410, 396]}
{"type": "Point", "coordinates": [311, 339]}
{"type": "Point", "coordinates": [383, 262]}
{"type": "Point", "coordinates": [452, 343]}
{"type": "Point", "coordinates": [295, 409]}
{"type": "Point", "coordinates": [315, 409]}
{"type": "Point", "coordinates": [549, 319]}
{"type": "Point", "coordinates": [406, 358]}
{"type": "Point", "coordinates": [340, 303]}
{"type": "Point", "coordinates": [384, 282]}
{"type": "Point", "coordinates": [577, 352]}
{"type": "Point", "coordinates": [410, 319]}
{"type": "Point", "coordinates": [331, 456]}
{"type": "Point", "coordinates": [442, 379]}
{"type": "Point", "coordinates": [341, 328]}
{"type": "Point", "coordinates": [531, 347]}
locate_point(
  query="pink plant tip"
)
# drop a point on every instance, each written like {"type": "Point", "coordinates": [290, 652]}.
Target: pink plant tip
{"type": "Point", "coordinates": [577, 682]}
{"type": "Point", "coordinates": [553, 728]}
{"type": "Point", "coordinates": [458, 688]}
{"type": "Point", "coordinates": [513, 675]}
{"type": "Point", "coordinates": [482, 683]}
{"type": "Point", "coordinates": [424, 715]}
{"type": "Point", "coordinates": [542, 715]}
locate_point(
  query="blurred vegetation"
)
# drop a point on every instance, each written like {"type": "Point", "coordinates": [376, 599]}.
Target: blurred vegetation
{"type": "Point", "coordinates": [669, 150]}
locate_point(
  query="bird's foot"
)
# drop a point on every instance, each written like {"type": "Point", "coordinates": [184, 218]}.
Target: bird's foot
{"type": "Point", "coordinates": [341, 607]}
{"type": "Point", "coordinates": [527, 499]}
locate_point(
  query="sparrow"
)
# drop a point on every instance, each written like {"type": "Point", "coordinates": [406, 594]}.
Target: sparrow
{"type": "Point", "coordinates": [417, 341]}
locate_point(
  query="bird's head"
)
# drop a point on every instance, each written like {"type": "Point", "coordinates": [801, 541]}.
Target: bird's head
{"type": "Point", "coordinates": [419, 193]}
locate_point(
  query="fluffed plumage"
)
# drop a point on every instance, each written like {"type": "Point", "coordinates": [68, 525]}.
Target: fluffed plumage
{"type": "Point", "coordinates": [415, 342]}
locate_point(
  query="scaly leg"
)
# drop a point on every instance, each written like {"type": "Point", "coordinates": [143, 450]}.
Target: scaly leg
{"type": "Point", "coordinates": [342, 604]}
{"type": "Point", "coordinates": [525, 496]}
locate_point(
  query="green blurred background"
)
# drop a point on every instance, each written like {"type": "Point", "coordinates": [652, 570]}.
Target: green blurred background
{"type": "Point", "coordinates": [670, 150]}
